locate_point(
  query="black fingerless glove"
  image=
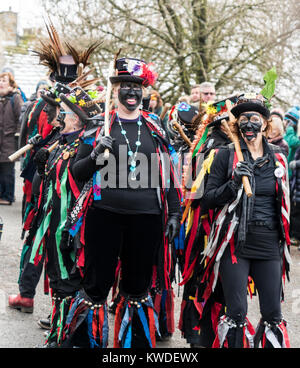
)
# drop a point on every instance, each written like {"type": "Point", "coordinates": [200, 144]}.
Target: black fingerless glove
{"type": "Point", "coordinates": [173, 227]}
{"type": "Point", "coordinates": [104, 143]}
{"type": "Point", "coordinates": [35, 140]}
{"type": "Point", "coordinates": [243, 168]}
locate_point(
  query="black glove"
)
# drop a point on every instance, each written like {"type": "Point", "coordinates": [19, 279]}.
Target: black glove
{"type": "Point", "coordinates": [104, 143]}
{"type": "Point", "coordinates": [173, 227]}
{"type": "Point", "coordinates": [243, 168]}
{"type": "Point", "coordinates": [40, 160]}
{"type": "Point", "coordinates": [35, 140]}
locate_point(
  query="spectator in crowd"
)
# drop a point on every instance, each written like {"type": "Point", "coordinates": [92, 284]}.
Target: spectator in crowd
{"type": "Point", "coordinates": [293, 141]}
{"type": "Point", "coordinates": [156, 103]}
{"type": "Point", "coordinates": [10, 108]}
{"type": "Point", "coordinates": [27, 106]}
{"type": "Point", "coordinates": [275, 136]}
{"type": "Point", "coordinates": [11, 71]}
{"type": "Point", "coordinates": [156, 106]}
{"type": "Point", "coordinates": [295, 199]}
{"type": "Point", "coordinates": [205, 91]}
{"type": "Point", "coordinates": [195, 95]}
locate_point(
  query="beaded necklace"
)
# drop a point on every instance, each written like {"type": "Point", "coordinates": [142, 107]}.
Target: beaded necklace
{"type": "Point", "coordinates": [132, 155]}
{"type": "Point", "coordinates": [67, 152]}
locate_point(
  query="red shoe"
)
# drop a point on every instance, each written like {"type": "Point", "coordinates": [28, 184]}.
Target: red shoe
{"type": "Point", "coordinates": [25, 305]}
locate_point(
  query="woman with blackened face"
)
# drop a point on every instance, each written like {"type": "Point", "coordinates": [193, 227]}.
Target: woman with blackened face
{"type": "Point", "coordinates": [252, 234]}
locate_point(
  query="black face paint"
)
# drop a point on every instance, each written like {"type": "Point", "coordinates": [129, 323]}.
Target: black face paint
{"type": "Point", "coordinates": [130, 95]}
{"type": "Point", "coordinates": [50, 110]}
{"type": "Point", "coordinates": [61, 119]}
{"type": "Point", "coordinates": [250, 125]}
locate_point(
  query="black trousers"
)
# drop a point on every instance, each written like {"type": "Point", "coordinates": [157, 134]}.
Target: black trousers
{"type": "Point", "coordinates": [295, 220]}
{"type": "Point", "coordinates": [30, 276]}
{"type": "Point", "coordinates": [7, 181]}
{"type": "Point", "coordinates": [266, 275]}
{"type": "Point", "coordinates": [110, 236]}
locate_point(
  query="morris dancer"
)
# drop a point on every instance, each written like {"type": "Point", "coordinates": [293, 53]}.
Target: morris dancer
{"type": "Point", "coordinates": [65, 63]}
{"type": "Point", "coordinates": [197, 319]}
{"type": "Point", "coordinates": [133, 221]}
{"type": "Point", "coordinates": [249, 235]}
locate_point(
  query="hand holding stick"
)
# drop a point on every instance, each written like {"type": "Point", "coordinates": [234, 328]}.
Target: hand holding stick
{"type": "Point", "coordinates": [26, 148]}
{"type": "Point", "coordinates": [234, 138]}
{"type": "Point", "coordinates": [31, 143]}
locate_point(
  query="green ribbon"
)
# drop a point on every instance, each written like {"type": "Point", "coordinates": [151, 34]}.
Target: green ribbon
{"type": "Point", "coordinates": [202, 140]}
{"type": "Point", "coordinates": [60, 320]}
{"type": "Point", "coordinates": [43, 227]}
{"type": "Point", "coordinates": [63, 220]}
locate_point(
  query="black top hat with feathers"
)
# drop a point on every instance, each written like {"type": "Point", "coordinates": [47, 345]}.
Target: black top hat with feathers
{"type": "Point", "coordinates": [65, 62]}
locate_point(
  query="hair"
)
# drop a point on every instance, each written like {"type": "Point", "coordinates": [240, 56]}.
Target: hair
{"type": "Point", "coordinates": [206, 85]}
{"type": "Point", "coordinates": [195, 86]}
{"type": "Point", "coordinates": [276, 121]}
{"type": "Point", "coordinates": [268, 127]}
{"type": "Point", "coordinates": [157, 95]}
{"type": "Point", "coordinates": [11, 79]}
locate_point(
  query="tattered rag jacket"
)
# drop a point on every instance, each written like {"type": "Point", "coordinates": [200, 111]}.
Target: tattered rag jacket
{"type": "Point", "coordinates": [230, 221]}
{"type": "Point", "coordinates": [92, 190]}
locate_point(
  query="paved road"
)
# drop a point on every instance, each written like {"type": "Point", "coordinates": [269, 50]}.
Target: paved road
{"type": "Point", "coordinates": [21, 330]}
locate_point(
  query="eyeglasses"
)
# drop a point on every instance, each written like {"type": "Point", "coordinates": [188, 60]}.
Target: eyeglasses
{"type": "Point", "coordinates": [208, 93]}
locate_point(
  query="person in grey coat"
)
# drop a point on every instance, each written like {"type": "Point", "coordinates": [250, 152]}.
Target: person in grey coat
{"type": "Point", "coordinates": [10, 108]}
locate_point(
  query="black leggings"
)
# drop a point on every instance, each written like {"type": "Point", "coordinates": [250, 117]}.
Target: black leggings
{"type": "Point", "coordinates": [132, 238]}
{"type": "Point", "coordinates": [266, 275]}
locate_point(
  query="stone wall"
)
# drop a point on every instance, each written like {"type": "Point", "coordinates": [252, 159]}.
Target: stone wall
{"type": "Point", "coordinates": [24, 64]}
{"type": "Point", "coordinates": [9, 26]}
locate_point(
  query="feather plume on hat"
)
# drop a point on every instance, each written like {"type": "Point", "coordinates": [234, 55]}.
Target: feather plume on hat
{"type": "Point", "coordinates": [54, 53]}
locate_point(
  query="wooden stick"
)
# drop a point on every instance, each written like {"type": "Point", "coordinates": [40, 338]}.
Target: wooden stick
{"type": "Point", "coordinates": [54, 145]}
{"type": "Point", "coordinates": [165, 110]}
{"type": "Point", "coordinates": [235, 140]}
{"type": "Point", "coordinates": [107, 103]}
{"type": "Point", "coordinates": [181, 132]}
{"type": "Point", "coordinates": [13, 157]}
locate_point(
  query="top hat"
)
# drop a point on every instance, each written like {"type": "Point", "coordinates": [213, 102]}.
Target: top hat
{"type": "Point", "coordinates": [186, 113]}
{"type": "Point", "coordinates": [221, 111]}
{"type": "Point", "coordinates": [251, 102]}
{"type": "Point", "coordinates": [82, 103]}
{"type": "Point", "coordinates": [135, 71]}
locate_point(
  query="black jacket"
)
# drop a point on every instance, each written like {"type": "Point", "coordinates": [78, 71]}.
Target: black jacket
{"type": "Point", "coordinates": [295, 179]}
